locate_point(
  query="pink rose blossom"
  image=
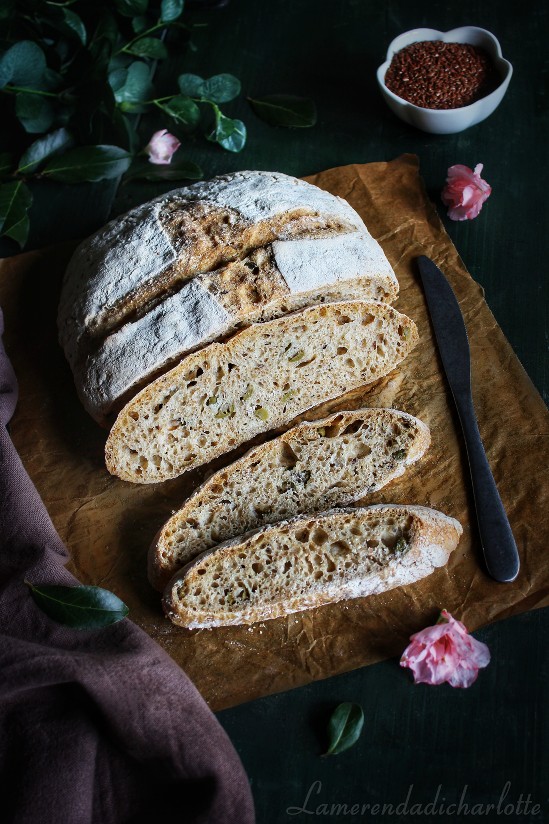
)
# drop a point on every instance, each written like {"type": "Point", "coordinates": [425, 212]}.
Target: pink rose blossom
{"type": "Point", "coordinates": [162, 146]}
{"type": "Point", "coordinates": [445, 652]}
{"type": "Point", "coordinates": [465, 192]}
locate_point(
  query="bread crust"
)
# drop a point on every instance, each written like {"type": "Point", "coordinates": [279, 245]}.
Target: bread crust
{"type": "Point", "coordinates": [130, 281]}
{"type": "Point", "coordinates": [314, 576]}
{"type": "Point", "coordinates": [312, 467]}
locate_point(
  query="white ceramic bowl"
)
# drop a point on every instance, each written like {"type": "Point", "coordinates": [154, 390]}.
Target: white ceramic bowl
{"type": "Point", "coordinates": [447, 121]}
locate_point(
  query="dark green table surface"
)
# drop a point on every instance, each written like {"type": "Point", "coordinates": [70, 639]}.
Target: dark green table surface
{"type": "Point", "coordinates": [429, 746]}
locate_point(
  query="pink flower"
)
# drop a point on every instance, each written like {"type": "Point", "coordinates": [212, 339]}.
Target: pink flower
{"type": "Point", "coordinates": [162, 146]}
{"type": "Point", "coordinates": [465, 192]}
{"type": "Point", "coordinates": [445, 652]}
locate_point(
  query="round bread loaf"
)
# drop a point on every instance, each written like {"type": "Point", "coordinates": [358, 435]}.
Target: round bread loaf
{"type": "Point", "coordinates": [198, 263]}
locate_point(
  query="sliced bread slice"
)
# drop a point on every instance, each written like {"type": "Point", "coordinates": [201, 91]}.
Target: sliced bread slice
{"type": "Point", "coordinates": [308, 562]}
{"type": "Point", "coordinates": [262, 378]}
{"type": "Point", "coordinates": [312, 467]}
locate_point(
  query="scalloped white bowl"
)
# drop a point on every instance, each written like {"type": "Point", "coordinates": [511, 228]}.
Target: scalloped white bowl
{"type": "Point", "coordinates": [447, 121]}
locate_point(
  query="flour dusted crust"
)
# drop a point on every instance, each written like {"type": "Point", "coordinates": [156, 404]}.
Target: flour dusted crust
{"type": "Point", "coordinates": [314, 466]}
{"type": "Point", "coordinates": [156, 282]}
{"type": "Point", "coordinates": [269, 282]}
{"type": "Point", "coordinates": [262, 378]}
{"type": "Point", "coordinates": [308, 562]}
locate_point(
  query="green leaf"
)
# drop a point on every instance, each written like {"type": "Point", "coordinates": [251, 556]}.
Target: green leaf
{"type": "Point", "coordinates": [344, 727]}
{"type": "Point", "coordinates": [15, 202]}
{"type": "Point", "coordinates": [170, 10]}
{"type": "Point", "coordinates": [231, 134]}
{"type": "Point", "coordinates": [190, 85]}
{"type": "Point", "coordinates": [51, 144]}
{"type": "Point", "coordinates": [148, 47]}
{"type": "Point", "coordinates": [221, 88]}
{"type": "Point", "coordinates": [6, 163]}
{"type": "Point", "coordinates": [75, 24]}
{"type": "Point", "coordinates": [183, 110]}
{"type": "Point", "coordinates": [22, 65]}
{"type": "Point", "coordinates": [7, 8]}
{"type": "Point", "coordinates": [81, 607]}
{"type": "Point", "coordinates": [285, 110]}
{"type": "Point", "coordinates": [177, 170]}
{"type": "Point", "coordinates": [140, 24]}
{"type": "Point", "coordinates": [35, 113]}
{"type": "Point", "coordinates": [131, 8]}
{"type": "Point", "coordinates": [90, 163]}
{"type": "Point", "coordinates": [136, 84]}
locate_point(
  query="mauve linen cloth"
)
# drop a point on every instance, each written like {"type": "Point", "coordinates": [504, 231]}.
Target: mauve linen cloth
{"type": "Point", "coordinates": [96, 726]}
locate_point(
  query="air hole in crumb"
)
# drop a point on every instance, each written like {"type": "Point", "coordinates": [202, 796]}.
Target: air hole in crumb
{"type": "Point", "coordinates": [134, 415]}
{"type": "Point", "coordinates": [343, 319]}
{"type": "Point", "coordinates": [350, 363]}
{"type": "Point", "coordinates": [287, 567]}
{"type": "Point", "coordinates": [372, 543]}
{"type": "Point", "coordinates": [341, 350]}
{"type": "Point", "coordinates": [352, 427]}
{"type": "Point", "coordinates": [319, 536]}
{"type": "Point", "coordinates": [302, 535]}
{"type": "Point", "coordinates": [287, 456]}
{"type": "Point", "coordinates": [340, 548]}
{"type": "Point", "coordinates": [257, 567]}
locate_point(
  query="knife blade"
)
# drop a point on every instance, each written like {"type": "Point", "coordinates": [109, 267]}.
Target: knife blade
{"type": "Point", "coordinates": [498, 544]}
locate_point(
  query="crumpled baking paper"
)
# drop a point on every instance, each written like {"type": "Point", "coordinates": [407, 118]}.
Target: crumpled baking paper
{"type": "Point", "coordinates": [108, 524]}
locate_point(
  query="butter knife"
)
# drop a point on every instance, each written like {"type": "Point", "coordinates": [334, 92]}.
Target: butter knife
{"type": "Point", "coordinates": [497, 541]}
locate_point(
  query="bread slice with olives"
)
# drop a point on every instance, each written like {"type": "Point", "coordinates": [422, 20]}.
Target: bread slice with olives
{"type": "Point", "coordinates": [260, 379]}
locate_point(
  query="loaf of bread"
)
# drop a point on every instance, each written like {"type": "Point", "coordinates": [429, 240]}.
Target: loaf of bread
{"type": "Point", "coordinates": [310, 561]}
{"type": "Point", "coordinates": [262, 378]}
{"type": "Point", "coordinates": [313, 467]}
{"type": "Point", "coordinates": [199, 262]}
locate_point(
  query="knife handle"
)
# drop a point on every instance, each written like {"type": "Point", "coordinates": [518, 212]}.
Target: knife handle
{"type": "Point", "coordinates": [502, 560]}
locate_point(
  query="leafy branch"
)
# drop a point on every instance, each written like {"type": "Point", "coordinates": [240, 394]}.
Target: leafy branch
{"type": "Point", "coordinates": [75, 75]}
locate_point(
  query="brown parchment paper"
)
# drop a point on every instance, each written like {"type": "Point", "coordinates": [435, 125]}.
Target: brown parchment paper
{"type": "Point", "coordinates": [108, 524]}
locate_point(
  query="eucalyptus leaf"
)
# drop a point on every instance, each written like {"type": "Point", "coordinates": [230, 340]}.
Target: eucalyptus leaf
{"type": "Point", "coordinates": [183, 110]}
{"type": "Point", "coordinates": [6, 164]}
{"type": "Point", "coordinates": [89, 163]}
{"type": "Point", "coordinates": [22, 65]}
{"type": "Point", "coordinates": [170, 10]}
{"type": "Point", "coordinates": [140, 24]}
{"type": "Point", "coordinates": [75, 24]}
{"type": "Point", "coordinates": [220, 88]}
{"type": "Point", "coordinates": [79, 607]}
{"type": "Point", "coordinates": [344, 727]}
{"type": "Point", "coordinates": [229, 133]}
{"type": "Point", "coordinates": [285, 110]}
{"type": "Point", "coordinates": [136, 86]}
{"type": "Point", "coordinates": [190, 85]}
{"type": "Point", "coordinates": [148, 47]}
{"type": "Point", "coordinates": [7, 8]}
{"type": "Point", "coordinates": [47, 146]}
{"type": "Point", "coordinates": [131, 8]}
{"type": "Point", "coordinates": [35, 113]}
{"type": "Point", "coordinates": [15, 202]}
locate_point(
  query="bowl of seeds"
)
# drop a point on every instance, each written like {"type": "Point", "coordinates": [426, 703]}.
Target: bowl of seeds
{"type": "Point", "coordinates": [444, 82]}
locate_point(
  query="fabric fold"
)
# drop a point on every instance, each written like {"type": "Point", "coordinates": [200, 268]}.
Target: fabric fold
{"type": "Point", "coordinates": [96, 727]}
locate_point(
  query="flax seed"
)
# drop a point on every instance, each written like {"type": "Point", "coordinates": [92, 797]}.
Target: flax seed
{"type": "Point", "coordinates": [437, 75]}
